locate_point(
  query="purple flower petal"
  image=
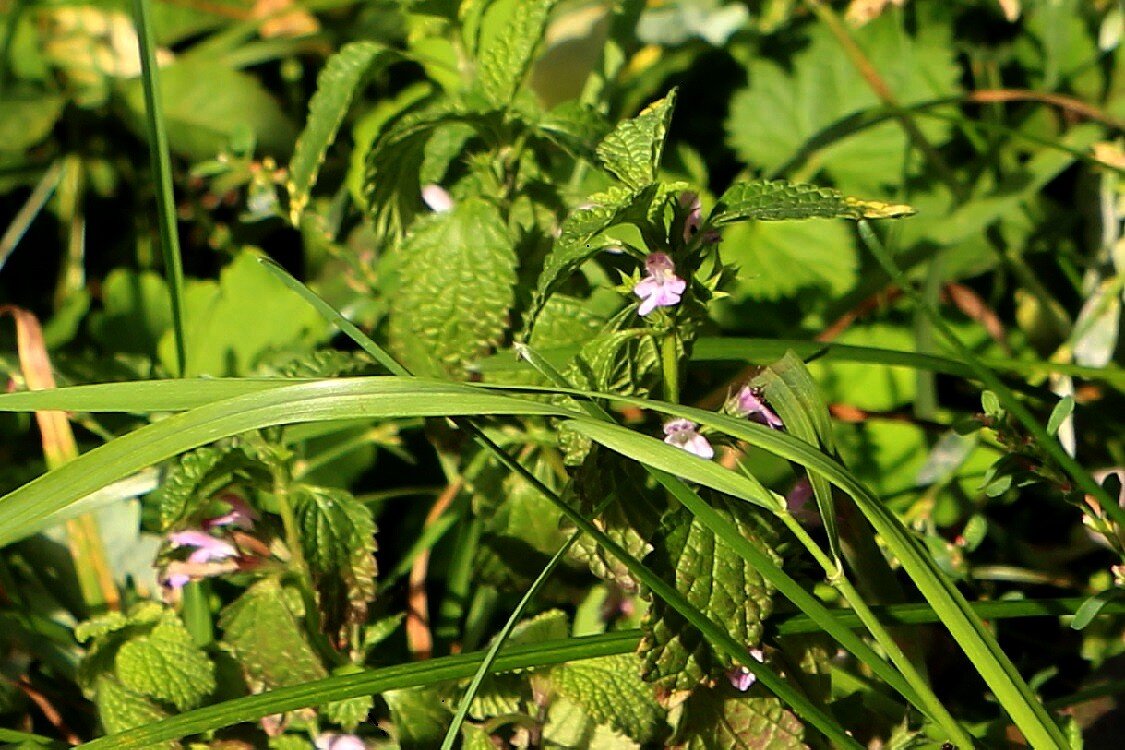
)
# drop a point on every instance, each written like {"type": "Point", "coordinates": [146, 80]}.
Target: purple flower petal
{"type": "Point", "coordinates": [333, 741]}
{"type": "Point", "coordinates": [682, 433]}
{"type": "Point", "coordinates": [740, 677]}
{"type": "Point", "coordinates": [240, 515]}
{"type": "Point", "coordinates": [694, 218]}
{"type": "Point", "coordinates": [749, 403]}
{"type": "Point", "coordinates": [207, 547]}
{"type": "Point", "coordinates": [661, 287]}
{"type": "Point", "coordinates": [436, 198]}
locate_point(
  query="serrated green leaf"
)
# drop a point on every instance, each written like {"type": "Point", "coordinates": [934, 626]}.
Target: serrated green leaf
{"type": "Point", "coordinates": [633, 150]}
{"type": "Point", "coordinates": [504, 59]}
{"type": "Point", "coordinates": [166, 665]}
{"type": "Point", "coordinates": [420, 717]}
{"type": "Point", "coordinates": [475, 738]}
{"type": "Point", "coordinates": [196, 476]}
{"type": "Point", "coordinates": [392, 180]}
{"type": "Point", "coordinates": [569, 726]}
{"type": "Point", "coordinates": [266, 640]}
{"type": "Point", "coordinates": [458, 276]}
{"type": "Point", "coordinates": [574, 127]}
{"type": "Point", "coordinates": [721, 719]}
{"type": "Point", "coordinates": [338, 536]}
{"type": "Point", "coordinates": [97, 627]}
{"type": "Point", "coordinates": [611, 691]}
{"type": "Point", "coordinates": [335, 87]}
{"type": "Point", "coordinates": [350, 712]}
{"type": "Point", "coordinates": [784, 117]}
{"type": "Point", "coordinates": [778, 200]}
{"type": "Point", "coordinates": [717, 581]}
{"type": "Point", "coordinates": [578, 234]}
{"type": "Point", "coordinates": [120, 708]}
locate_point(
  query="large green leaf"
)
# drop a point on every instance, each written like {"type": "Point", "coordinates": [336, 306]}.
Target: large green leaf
{"type": "Point", "coordinates": [716, 581]}
{"type": "Point", "coordinates": [720, 719]}
{"type": "Point", "coordinates": [633, 150]}
{"type": "Point", "coordinates": [457, 273]}
{"type": "Point", "coordinates": [166, 665]}
{"type": "Point", "coordinates": [782, 113]}
{"type": "Point", "coordinates": [505, 57]}
{"type": "Point", "coordinates": [611, 691]}
{"type": "Point", "coordinates": [266, 640]}
{"type": "Point", "coordinates": [206, 103]}
{"type": "Point", "coordinates": [777, 200]}
{"type": "Point", "coordinates": [335, 87]}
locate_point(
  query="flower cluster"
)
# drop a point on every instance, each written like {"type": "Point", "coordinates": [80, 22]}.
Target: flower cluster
{"type": "Point", "coordinates": [210, 555]}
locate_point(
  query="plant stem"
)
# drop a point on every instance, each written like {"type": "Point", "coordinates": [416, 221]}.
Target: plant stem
{"type": "Point", "coordinates": [669, 347]}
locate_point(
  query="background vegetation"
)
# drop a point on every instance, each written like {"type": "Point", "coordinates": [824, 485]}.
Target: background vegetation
{"type": "Point", "coordinates": [488, 374]}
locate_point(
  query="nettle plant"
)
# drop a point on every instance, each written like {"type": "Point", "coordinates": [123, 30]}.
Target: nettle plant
{"type": "Point", "coordinates": [553, 233]}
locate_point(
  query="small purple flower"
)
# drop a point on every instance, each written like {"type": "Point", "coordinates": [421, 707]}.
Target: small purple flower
{"type": "Point", "coordinates": [740, 677]}
{"type": "Point", "coordinates": [749, 403]}
{"type": "Point", "coordinates": [799, 502]}
{"type": "Point", "coordinates": [332, 741]}
{"type": "Point", "coordinates": [207, 547]}
{"type": "Point", "coordinates": [240, 515]}
{"type": "Point", "coordinates": [661, 287]}
{"type": "Point", "coordinates": [694, 218]}
{"type": "Point", "coordinates": [437, 198]}
{"type": "Point", "coordinates": [682, 433]}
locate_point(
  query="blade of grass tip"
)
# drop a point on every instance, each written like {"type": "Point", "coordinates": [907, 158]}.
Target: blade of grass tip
{"type": "Point", "coordinates": [501, 638]}
{"type": "Point", "coordinates": [162, 172]}
{"type": "Point", "coordinates": [334, 315]}
{"type": "Point", "coordinates": [713, 632]}
{"type": "Point", "coordinates": [30, 209]}
{"type": "Point", "coordinates": [1053, 448]}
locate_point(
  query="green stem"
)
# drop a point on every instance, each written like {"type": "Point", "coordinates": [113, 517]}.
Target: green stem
{"type": "Point", "coordinates": [197, 613]}
{"type": "Point", "coordinates": [669, 350]}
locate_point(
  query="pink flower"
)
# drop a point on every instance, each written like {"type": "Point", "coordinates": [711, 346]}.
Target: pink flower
{"type": "Point", "coordinates": [240, 515]}
{"type": "Point", "coordinates": [207, 547]}
{"type": "Point", "coordinates": [437, 198]}
{"type": "Point", "coordinates": [741, 678]}
{"type": "Point", "coordinates": [661, 287]}
{"type": "Point", "coordinates": [682, 433]}
{"type": "Point", "coordinates": [749, 403]}
{"type": "Point", "coordinates": [332, 741]}
{"type": "Point", "coordinates": [798, 501]}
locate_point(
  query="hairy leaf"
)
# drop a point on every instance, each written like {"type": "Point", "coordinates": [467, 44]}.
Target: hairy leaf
{"type": "Point", "coordinates": [338, 535]}
{"type": "Point", "coordinates": [335, 86]}
{"type": "Point", "coordinates": [166, 665]}
{"type": "Point", "coordinates": [722, 719]}
{"type": "Point", "coordinates": [266, 640]}
{"type": "Point", "coordinates": [716, 580]}
{"type": "Point", "coordinates": [458, 274]}
{"type": "Point", "coordinates": [504, 60]}
{"type": "Point", "coordinates": [420, 717]}
{"type": "Point", "coordinates": [776, 200]}
{"type": "Point", "coordinates": [120, 708]}
{"type": "Point", "coordinates": [578, 235]}
{"type": "Point", "coordinates": [611, 691]}
{"type": "Point", "coordinates": [634, 148]}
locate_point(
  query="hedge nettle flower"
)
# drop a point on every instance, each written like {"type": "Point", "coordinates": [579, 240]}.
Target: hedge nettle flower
{"type": "Point", "coordinates": [740, 677]}
{"type": "Point", "coordinates": [211, 556]}
{"type": "Point", "coordinates": [333, 741]}
{"type": "Point", "coordinates": [682, 433]}
{"type": "Point", "coordinates": [748, 402]}
{"type": "Point", "coordinates": [661, 287]}
{"type": "Point", "coordinates": [240, 515]}
{"type": "Point", "coordinates": [694, 219]}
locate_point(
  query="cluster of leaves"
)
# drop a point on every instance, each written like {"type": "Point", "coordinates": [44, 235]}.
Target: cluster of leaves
{"type": "Point", "coordinates": [488, 191]}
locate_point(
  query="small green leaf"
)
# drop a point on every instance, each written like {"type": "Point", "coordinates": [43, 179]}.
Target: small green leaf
{"type": "Point", "coordinates": [335, 86]}
{"type": "Point", "coordinates": [350, 712]}
{"type": "Point", "coordinates": [777, 200]}
{"type": "Point", "coordinates": [611, 691]}
{"type": "Point", "coordinates": [166, 665]}
{"type": "Point", "coordinates": [27, 120]}
{"type": "Point", "coordinates": [505, 58]}
{"type": "Point", "coordinates": [266, 640]}
{"type": "Point", "coordinates": [1090, 608]}
{"type": "Point", "coordinates": [474, 738]}
{"type": "Point", "coordinates": [990, 402]}
{"type": "Point", "coordinates": [458, 276]}
{"type": "Point", "coordinates": [721, 719]}
{"type": "Point", "coordinates": [633, 150]}
{"type": "Point", "coordinates": [420, 717]}
{"type": "Point", "coordinates": [1059, 414]}
{"type": "Point", "coordinates": [120, 708]}
{"type": "Point", "coordinates": [718, 582]}
{"type": "Point", "coordinates": [338, 536]}
{"type": "Point", "coordinates": [578, 235]}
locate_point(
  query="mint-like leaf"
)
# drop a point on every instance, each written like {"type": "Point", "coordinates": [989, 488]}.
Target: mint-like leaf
{"type": "Point", "coordinates": [611, 691]}
{"type": "Point", "coordinates": [120, 708]}
{"type": "Point", "coordinates": [634, 148]}
{"type": "Point", "coordinates": [777, 200]}
{"type": "Point", "coordinates": [722, 719]}
{"type": "Point", "coordinates": [266, 640]}
{"type": "Point", "coordinates": [166, 665]}
{"type": "Point", "coordinates": [717, 582]}
{"type": "Point", "coordinates": [458, 276]}
{"type": "Point", "coordinates": [420, 717]}
{"type": "Point", "coordinates": [504, 60]}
